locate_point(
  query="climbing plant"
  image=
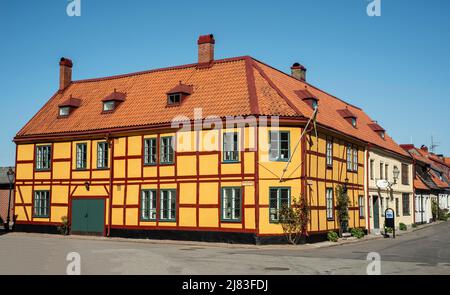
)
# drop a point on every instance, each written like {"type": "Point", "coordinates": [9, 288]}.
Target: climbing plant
{"type": "Point", "coordinates": [294, 220]}
{"type": "Point", "coordinates": [342, 203]}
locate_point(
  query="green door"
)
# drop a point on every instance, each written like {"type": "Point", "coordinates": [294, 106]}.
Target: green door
{"type": "Point", "coordinates": [88, 216]}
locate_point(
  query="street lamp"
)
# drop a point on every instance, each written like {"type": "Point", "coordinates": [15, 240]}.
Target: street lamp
{"type": "Point", "coordinates": [396, 173]}
{"type": "Point", "coordinates": [10, 174]}
{"type": "Point", "coordinates": [345, 188]}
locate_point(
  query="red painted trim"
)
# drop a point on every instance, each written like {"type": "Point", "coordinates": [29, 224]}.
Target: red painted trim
{"type": "Point", "coordinates": [367, 188]}
{"type": "Point", "coordinates": [249, 64]}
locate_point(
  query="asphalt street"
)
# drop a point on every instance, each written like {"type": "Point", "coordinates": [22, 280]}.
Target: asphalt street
{"type": "Point", "coordinates": [425, 251]}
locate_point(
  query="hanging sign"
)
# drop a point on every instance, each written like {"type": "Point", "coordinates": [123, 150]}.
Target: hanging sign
{"type": "Point", "coordinates": [389, 219]}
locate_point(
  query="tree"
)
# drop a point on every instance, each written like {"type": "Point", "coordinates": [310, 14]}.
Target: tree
{"type": "Point", "coordinates": [342, 202]}
{"type": "Point", "coordinates": [294, 220]}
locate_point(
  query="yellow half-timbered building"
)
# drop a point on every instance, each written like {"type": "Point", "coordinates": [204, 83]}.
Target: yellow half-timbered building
{"type": "Point", "coordinates": [205, 151]}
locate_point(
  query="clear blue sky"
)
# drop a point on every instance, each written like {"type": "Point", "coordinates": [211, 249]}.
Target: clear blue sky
{"type": "Point", "coordinates": [396, 66]}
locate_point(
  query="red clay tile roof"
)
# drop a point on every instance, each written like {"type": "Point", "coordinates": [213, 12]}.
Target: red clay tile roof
{"type": "Point", "coordinates": [71, 102]}
{"type": "Point", "coordinates": [181, 88]}
{"type": "Point", "coordinates": [304, 94]}
{"type": "Point", "coordinates": [419, 184]}
{"type": "Point", "coordinates": [115, 96]}
{"type": "Point", "coordinates": [346, 113]}
{"type": "Point", "coordinates": [375, 127]}
{"type": "Point", "coordinates": [231, 87]}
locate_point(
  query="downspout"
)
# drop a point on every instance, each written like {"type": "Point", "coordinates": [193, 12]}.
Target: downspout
{"type": "Point", "coordinates": [367, 189]}
{"type": "Point", "coordinates": [111, 173]}
{"type": "Point", "coordinates": [303, 174]}
{"type": "Point", "coordinates": [414, 190]}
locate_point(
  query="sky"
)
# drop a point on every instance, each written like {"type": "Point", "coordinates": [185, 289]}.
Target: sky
{"type": "Point", "coordinates": [394, 66]}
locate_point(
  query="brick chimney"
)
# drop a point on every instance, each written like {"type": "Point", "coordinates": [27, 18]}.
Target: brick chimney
{"type": "Point", "coordinates": [206, 49]}
{"type": "Point", "coordinates": [298, 72]}
{"type": "Point", "coordinates": [65, 73]}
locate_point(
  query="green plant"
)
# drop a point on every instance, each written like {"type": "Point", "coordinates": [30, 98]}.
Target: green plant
{"type": "Point", "coordinates": [414, 225]}
{"type": "Point", "coordinates": [342, 203]}
{"type": "Point", "coordinates": [357, 232]}
{"type": "Point", "coordinates": [294, 220]}
{"type": "Point", "coordinates": [438, 213]}
{"type": "Point", "coordinates": [388, 229]}
{"type": "Point", "coordinates": [402, 226]}
{"type": "Point", "coordinates": [332, 236]}
{"type": "Point", "coordinates": [64, 228]}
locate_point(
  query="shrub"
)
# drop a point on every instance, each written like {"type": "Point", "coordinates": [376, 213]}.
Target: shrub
{"type": "Point", "coordinates": [332, 236]}
{"type": "Point", "coordinates": [402, 226]}
{"type": "Point", "coordinates": [388, 229]}
{"type": "Point", "coordinates": [357, 233]}
{"type": "Point", "coordinates": [64, 227]}
{"type": "Point", "coordinates": [294, 220]}
{"type": "Point", "coordinates": [414, 225]}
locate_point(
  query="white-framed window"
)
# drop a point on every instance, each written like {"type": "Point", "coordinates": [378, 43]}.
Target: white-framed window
{"type": "Point", "coordinates": [362, 207]}
{"type": "Point", "coordinates": [279, 146]}
{"type": "Point", "coordinates": [355, 159]}
{"type": "Point", "coordinates": [102, 154]}
{"type": "Point", "coordinates": [406, 204]}
{"type": "Point", "coordinates": [231, 147]}
{"type": "Point", "coordinates": [168, 205]}
{"type": "Point", "coordinates": [64, 111]}
{"type": "Point", "coordinates": [278, 197]}
{"type": "Point", "coordinates": [150, 151]}
{"type": "Point", "coordinates": [109, 106]}
{"type": "Point", "coordinates": [148, 205]}
{"type": "Point", "coordinates": [81, 156]}
{"type": "Point", "coordinates": [329, 152]}
{"type": "Point", "coordinates": [41, 205]}
{"type": "Point", "coordinates": [174, 98]}
{"type": "Point", "coordinates": [166, 150]}
{"type": "Point", "coordinates": [330, 203]}
{"type": "Point", "coordinates": [43, 157]}
{"type": "Point", "coordinates": [231, 204]}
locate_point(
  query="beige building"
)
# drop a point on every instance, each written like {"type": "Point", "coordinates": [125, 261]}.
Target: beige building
{"type": "Point", "coordinates": [389, 184]}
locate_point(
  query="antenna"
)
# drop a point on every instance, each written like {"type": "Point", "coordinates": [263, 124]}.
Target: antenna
{"type": "Point", "coordinates": [434, 145]}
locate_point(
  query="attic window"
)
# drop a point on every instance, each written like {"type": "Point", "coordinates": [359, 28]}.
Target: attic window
{"type": "Point", "coordinates": [176, 95]}
{"type": "Point", "coordinates": [349, 116]}
{"type": "Point", "coordinates": [108, 106]}
{"type": "Point", "coordinates": [308, 97]}
{"type": "Point", "coordinates": [378, 129]}
{"type": "Point", "coordinates": [64, 111]}
{"type": "Point", "coordinates": [68, 106]}
{"type": "Point", "coordinates": [112, 101]}
{"type": "Point", "coordinates": [174, 98]}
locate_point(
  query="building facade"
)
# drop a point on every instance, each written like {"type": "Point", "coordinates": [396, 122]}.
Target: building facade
{"type": "Point", "coordinates": [209, 151]}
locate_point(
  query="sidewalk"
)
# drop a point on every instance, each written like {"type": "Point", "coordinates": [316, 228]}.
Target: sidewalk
{"type": "Point", "coordinates": [317, 245]}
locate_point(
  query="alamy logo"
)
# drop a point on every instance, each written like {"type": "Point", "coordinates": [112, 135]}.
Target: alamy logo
{"type": "Point", "coordinates": [74, 8]}
{"type": "Point", "coordinates": [374, 267]}
{"type": "Point", "coordinates": [374, 8]}
{"type": "Point", "coordinates": [74, 266]}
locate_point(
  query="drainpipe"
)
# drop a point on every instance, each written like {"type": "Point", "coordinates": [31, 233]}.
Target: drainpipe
{"type": "Point", "coordinates": [367, 188]}
{"type": "Point", "coordinates": [111, 173]}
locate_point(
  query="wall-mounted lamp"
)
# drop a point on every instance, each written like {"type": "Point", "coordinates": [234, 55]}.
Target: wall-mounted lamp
{"type": "Point", "coordinates": [87, 184]}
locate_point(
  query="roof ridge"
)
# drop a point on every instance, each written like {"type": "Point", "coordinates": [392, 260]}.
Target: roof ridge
{"type": "Point", "coordinates": [315, 87]}
{"type": "Point", "coordinates": [277, 90]}
{"type": "Point", "coordinates": [251, 85]}
{"type": "Point", "coordinates": [171, 68]}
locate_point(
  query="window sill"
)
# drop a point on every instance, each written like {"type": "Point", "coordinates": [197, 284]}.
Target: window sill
{"type": "Point", "coordinates": [81, 169]}
{"type": "Point", "coordinates": [231, 162]}
{"type": "Point", "coordinates": [167, 220]}
{"type": "Point", "coordinates": [230, 221]}
{"type": "Point", "coordinates": [102, 169]}
{"type": "Point", "coordinates": [330, 219]}
{"type": "Point", "coordinates": [43, 216]}
{"type": "Point", "coordinates": [330, 167]}
{"type": "Point", "coordinates": [147, 220]}
{"type": "Point", "coordinates": [150, 164]}
{"type": "Point", "coordinates": [167, 164]}
{"type": "Point", "coordinates": [43, 170]}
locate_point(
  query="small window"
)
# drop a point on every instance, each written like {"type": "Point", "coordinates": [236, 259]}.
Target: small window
{"type": "Point", "coordinates": [102, 155]}
{"type": "Point", "coordinates": [81, 156]}
{"type": "Point", "coordinates": [405, 205]}
{"type": "Point", "coordinates": [382, 134]}
{"type": "Point", "coordinates": [397, 208]}
{"type": "Point", "coordinates": [150, 151]}
{"type": "Point", "coordinates": [329, 153]}
{"type": "Point", "coordinates": [330, 204]}
{"type": "Point", "coordinates": [231, 204]}
{"type": "Point", "coordinates": [174, 98]}
{"type": "Point", "coordinates": [314, 104]}
{"type": "Point", "coordinates": [230, 147]}
{"type": "Point", "coordinates": [64, 111]}
{"type": "Point", "coordinates": [148, 205]}
{"type": "Point", "coordinates": [353, 121]}
{"type": "Point", "coordinates": [41, 204]}
{"type": "Point", "coordinates": [278, 197]}
{"type": "Point", "coordinates": [386, 172]}
{"type": "Point", "coordinates": [372, 163]}
{"type": "Point", "coordinates": [167, 150]}
{"type": "Point", "coordinates": [361, 206]}
{"type": "Point", "coordinates": [108, 106]}
{"type": "Point", "coordinates": [381, 171]}
{"type": "Point", "coordinates": [168, 205]}
{"type": "Point", "coordinates": [43, 157]}
{"type": "Point", "coordinates": [279, 149]}
{"type": "Point", "coordinates": [352, 158]}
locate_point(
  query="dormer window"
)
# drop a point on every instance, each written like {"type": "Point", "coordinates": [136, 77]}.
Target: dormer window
{"type": "Point", "coordinates": [68, 106]}
{"type": "Point", "coordinates": [378, 129]}
{"type": "Point", "coordinates": [308, 97]}
{"type": "Point", "coordinates": [174, 98]}
{"type": "Point", "coordinates": [112, 101]}
{"type": "Point", "coordinates": [108, 106]}
{"type": "Point", "coordinates": [64, 111]}
{"type": "Point", "coordinates": [176, 95]}
{"type": "Point", "coordinates": [349, 116]}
